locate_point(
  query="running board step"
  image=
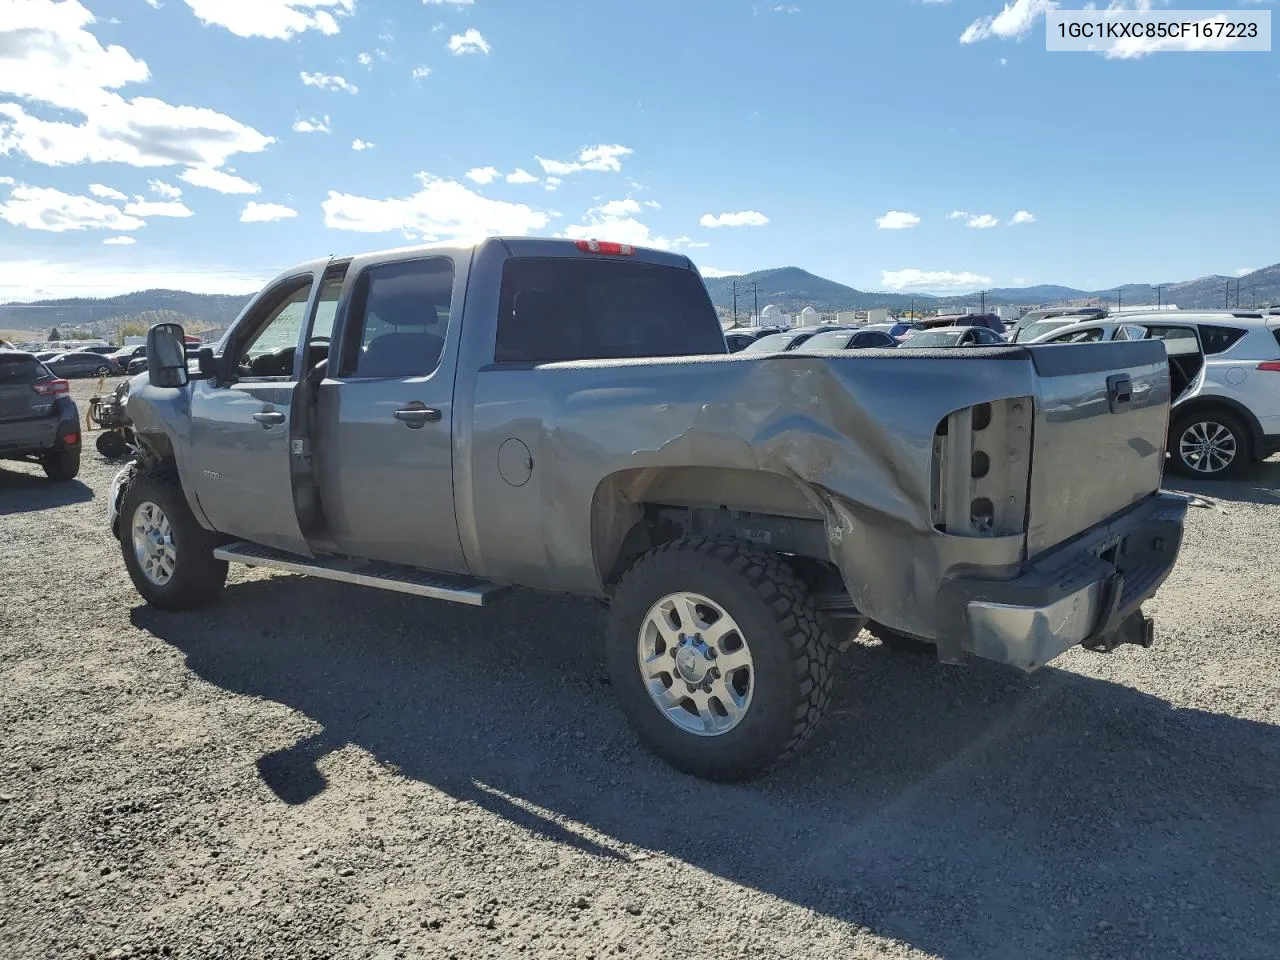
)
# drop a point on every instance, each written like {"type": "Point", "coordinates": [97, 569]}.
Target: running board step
{"type": "Point", "coordinates": [367, 573]}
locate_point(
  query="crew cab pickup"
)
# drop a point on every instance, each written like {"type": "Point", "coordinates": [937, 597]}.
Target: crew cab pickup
{"type": "Point", "coordinates": [453, 422]}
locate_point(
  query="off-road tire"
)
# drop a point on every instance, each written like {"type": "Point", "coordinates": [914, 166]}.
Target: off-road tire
{"type": "Point", "coordinates": [793, 656]}
{"type": "Point", "coordinates": [1243, 440]}
{"type": "Point", "coordinates": [198, 577]}
{"type": "Point", "coordinates": [61, 465]}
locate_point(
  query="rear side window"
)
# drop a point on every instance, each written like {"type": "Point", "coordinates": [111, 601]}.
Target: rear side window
{"type": "Point", "coordinates": [398, 319]}
{"type": "Point", "coordinates": [1217, 339]}
{"type": "Point", "coordinates": [570, 309]}
{"type": "Point", "coordinates": [21, 368]}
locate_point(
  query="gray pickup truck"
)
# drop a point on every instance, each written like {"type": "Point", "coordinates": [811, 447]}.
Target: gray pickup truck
{"type": "Point", "coordinates": [453, 422]}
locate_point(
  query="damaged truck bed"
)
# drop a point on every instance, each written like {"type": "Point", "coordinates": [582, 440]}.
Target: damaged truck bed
{"type": "Point", "coordinates": [564, 416]}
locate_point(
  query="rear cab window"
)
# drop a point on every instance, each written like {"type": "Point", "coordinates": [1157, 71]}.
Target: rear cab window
{"type": "Point", "coordinates": [398, 319]}
{"type": "Point", "coordinates": [554, 309]}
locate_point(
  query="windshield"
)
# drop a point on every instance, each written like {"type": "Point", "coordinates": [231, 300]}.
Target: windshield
{"type": "Point", "coordinates": [773, 343]}
{"type": "Point", "coordinates": [944, 337]}
{"type": "Point", "coordinates": [1033, 330]}
{"type": "Point", "coordinates": [831, 340]}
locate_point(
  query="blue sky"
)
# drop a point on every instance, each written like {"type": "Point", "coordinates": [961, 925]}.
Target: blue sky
{"type": "Point", "coordinates": [207, 144]}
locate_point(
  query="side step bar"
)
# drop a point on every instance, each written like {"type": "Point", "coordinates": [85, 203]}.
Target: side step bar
{"type": "Point", "coordinates": [368, 573]}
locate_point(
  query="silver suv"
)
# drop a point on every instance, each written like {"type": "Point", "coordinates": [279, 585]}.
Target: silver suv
{"type": "Point", "coordinates": [1225, 372]}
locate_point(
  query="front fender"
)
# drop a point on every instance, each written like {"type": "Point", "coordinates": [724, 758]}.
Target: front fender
{"type": "Point", "coordinates": [162, 424]}
{"type": "Point", "coordinates": [118, 485]}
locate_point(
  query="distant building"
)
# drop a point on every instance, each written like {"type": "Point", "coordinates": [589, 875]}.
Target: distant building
{"type": "Point", "coordinates": [1005, 312]}
{"type": "Point", "coordinates": [878, 315]}
{"type": "Point", "coordinates": [810, 317]}
{"type": "Point", "coordinates": [772, 316]}
{"type": "Point", "coordinates": [850, 318]}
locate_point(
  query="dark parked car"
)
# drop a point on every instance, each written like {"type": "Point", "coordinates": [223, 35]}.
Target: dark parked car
{"type": "Point", "coordinates": [988, 321]}
{"type": "Point", "coordinates": [851, 340]}
{"type": "Point", "coordinates": [125, 355]}
{"type": "Point", "coordinates": [84, 364]}
{"type": "Point", "coordinates": [739, 339]}
{"type": "Point", "coordinates": [105, 350]}
{"type": "Point", "coordinates": [39, 421]}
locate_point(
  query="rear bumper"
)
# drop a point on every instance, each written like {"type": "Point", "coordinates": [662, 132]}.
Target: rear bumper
{"type": "Point", "coordinates": [1084, 592]}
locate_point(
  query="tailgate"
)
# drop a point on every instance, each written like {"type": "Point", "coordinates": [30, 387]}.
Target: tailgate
{"type": "Point", "coordinates": [1102, 412]}
{"type": "Point", "coordinates": [18, 399]}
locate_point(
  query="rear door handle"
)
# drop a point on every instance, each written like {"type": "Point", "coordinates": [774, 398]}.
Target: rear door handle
{"type": "Point", "coordinates": [269, 418]}
{"type": "Point", "coordinates": [417, 416]}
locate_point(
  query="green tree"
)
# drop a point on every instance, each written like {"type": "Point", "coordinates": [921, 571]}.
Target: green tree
{"type": "Point", "coordinates": [54, 335]}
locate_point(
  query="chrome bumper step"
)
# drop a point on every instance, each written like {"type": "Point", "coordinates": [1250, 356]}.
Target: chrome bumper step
{"type": "Point", "coordinates": [368, 573]}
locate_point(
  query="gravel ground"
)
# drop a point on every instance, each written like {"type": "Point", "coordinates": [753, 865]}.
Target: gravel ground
{"type": "Point", "coordinates": [309, 769]}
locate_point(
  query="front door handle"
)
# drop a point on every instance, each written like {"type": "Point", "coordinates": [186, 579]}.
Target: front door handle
{"type": "Point", "coordinates": [416, 415]}
{"type": "Point", "coordinates": [269, 418]}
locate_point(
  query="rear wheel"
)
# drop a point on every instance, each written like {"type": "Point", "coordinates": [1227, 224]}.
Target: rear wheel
{"type": "Point", "coordinates": [1209, 445]}
{"type": "Point", "coordinates": [168, 554]}
{"type": "Point", "coordinates": [103, 371]}
{"type": "Point", "coordinates": [61, 465]}
{"type": "Point", "coordinates": [718, 658]}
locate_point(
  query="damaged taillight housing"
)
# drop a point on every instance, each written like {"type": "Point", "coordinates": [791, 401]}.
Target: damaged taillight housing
{"type": "Point", "coordinates": [981, 468]}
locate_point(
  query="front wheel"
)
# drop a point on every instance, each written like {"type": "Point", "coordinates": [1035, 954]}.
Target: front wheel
{"type": "Point", "coordinates": [1209, 445]}
{"type": "Point", "coordinates": [168, 554]}
{"type": "Point", "coordinates": [718, 657]}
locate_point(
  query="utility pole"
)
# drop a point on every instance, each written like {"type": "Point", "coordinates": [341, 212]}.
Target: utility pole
{"type": "Point", "coordinates": [755, 303]}
{"type": "Point", "coordinates": [1117, 301]}
{"type": "Point", "coordinates": [1226, 300]}
{"type": "Point", "coordinates": [734, 286]}
{"type": "Point", "coordinates": [1159, 293]}
{"type": "Point", "coordinates": [913, 309]}
{"type": "Point", "coordinates": [983, 301]}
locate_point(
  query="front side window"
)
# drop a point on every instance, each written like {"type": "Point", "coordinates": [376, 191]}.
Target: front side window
{"type": "Point", "coordinates": [556, 309]}
{"type": "Point", "coordinates": [270, 351]}
{"type": "Point", "coordinates": [398, 319]}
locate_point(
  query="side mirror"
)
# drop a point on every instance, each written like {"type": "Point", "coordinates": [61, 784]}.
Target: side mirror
{"type": "Point", "coordinates": [167, 355]}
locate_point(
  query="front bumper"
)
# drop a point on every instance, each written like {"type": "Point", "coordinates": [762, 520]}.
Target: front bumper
{"type": "Point", "coordinates": [1088, 591]}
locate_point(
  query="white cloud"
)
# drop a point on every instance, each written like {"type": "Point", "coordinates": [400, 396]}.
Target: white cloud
{"type": "Point", "coordinates": [605, 157]}
{"type": "Point", "coordinates": [553, 184]}
{"type": "Point", "coordinates": [1014, 21]}
{"type": "Point", "coordinates": [107, 193]}
{"type": "Point", "coordinates": [365, 60]}
{"type": "Point", "coordinates": [121, 241]}
{"type": "Point", "coordinates": [469, 42]}
{"type": "Point", "coordinates": [897, 220]}
{"type": "Point", "coordinates": [1132, 48]}
{"type": "Point", "coordinates": [255, 212]}
{"type": "Point", "coordinates": [978, 221]}
{"type": "Point", "coordinates": [155, 5]}
{"type": "Point", "coordinates": [913, 279]}
{"type": "Point", "coordinates": [314, 125]}
{"type": "Point", "coordinates": [615, 220]}
{"type": "Point", "coordinates": [745, 218]}
{"type": "Point", "coordinates": [1244, 271]}
{"type": "Point", "coordinates": [1022, 216]}
{"type": "Point", "coordinates": [328, 81]}
{"type": "Point", "coordinates": [29, 279]}
{"type": "Point", "coordinates": [689, 243]}
{"type": "Point", "coordinates": [49, 57]}
{"type": "Point", "coordinates": [219, 180]}
{"type": "Point", "coordinates": [715, 272]}
{"type": "Point", "coordinates": [359, 145]}
{"type": "Point", "coordinates": [653, 204]}
{"type": "Point", "coordinates": [44, 208]}
{"type": "Point", "coordinates": [166, 190]}
{"type": "Point", "coordinates": [483, 175]}
{"type": "Point", "coordinates": [274, 19]}
{"type": "Point", "coordinates": [521, 175]}
{"type": "Point", "coordinates": [421, 73]}
{"type": "Point", "coordinates": [443, 209]}
{"type": "Point", "coordinates": [7, 181]}
{"type": "Point", "coordinates": [454, 3]}
{"type": "Point", "coordinates": [157, 208]}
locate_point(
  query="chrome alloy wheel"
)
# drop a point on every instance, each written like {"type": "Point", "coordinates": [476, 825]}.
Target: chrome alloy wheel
{"type": "Point", "coordinates": [696, 665]}
{"type": "Point", "coordinates": [1207, 447]}
{"type": "Point", "coordinates": [153, 543]}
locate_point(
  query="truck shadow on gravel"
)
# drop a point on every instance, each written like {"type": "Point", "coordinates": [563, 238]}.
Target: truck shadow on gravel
{"type": "Point", "coordinates": [973, 813]}
{"type": "Point", "coordinates": [1260, 484]}
{"type": "Point", "coordinates": [29, 492]}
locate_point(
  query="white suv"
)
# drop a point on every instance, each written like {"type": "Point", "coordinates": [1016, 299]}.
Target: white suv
{"type": "Point", "coordinates": [1225, 368]}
